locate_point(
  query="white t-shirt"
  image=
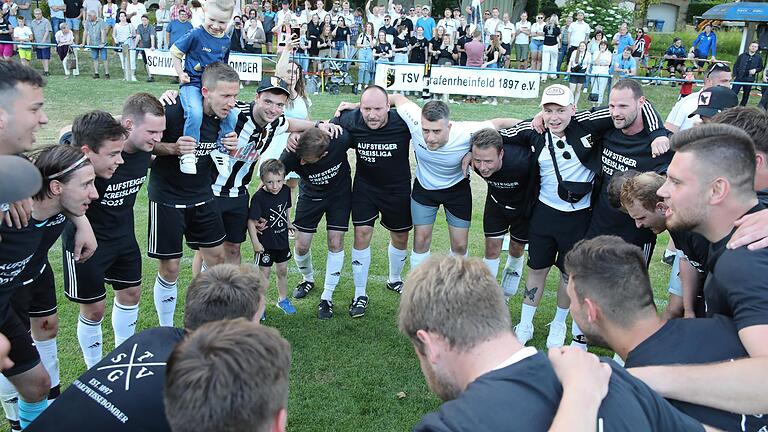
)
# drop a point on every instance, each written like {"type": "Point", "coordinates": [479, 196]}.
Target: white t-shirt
{"type": "Point", "coordinates": [570, 170]}
{"type": "Point", "coordinates": [22, 33]}
{"type": "Point", "coordinates": [491, 25]}
{"type": "Point", "coordinates": [682, 109]}
{"type": "Point", "coordinates": [578, 32]}
{"type": "Point", "coordinates": [140, 10]}
{"type": "Point", "coordinates": [92, 6]}
{"type": "Point", "coordinates": [602, 57]}
{"type": "Point", "coordinates": [507, 32]}
{"type": "Point", "coordinates": [449, 25]}
{"type": "Point", "coordinates": [538, 28]}
{"type": "Point", "coordinates": [522, 38]}
{"type": "Point", "coordinates": [441, 168]}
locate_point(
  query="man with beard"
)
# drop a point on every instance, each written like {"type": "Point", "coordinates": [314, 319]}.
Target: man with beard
{"type": "Point", "coordinates": [626, 321]}
{"type": "Point", "coordinates": [456, 318]}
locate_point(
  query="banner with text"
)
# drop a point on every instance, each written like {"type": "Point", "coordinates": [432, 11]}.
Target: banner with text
{"type": "Point", "coordinates": [460, 81]}
{"type": "Point", "coordinates": [247, 66]}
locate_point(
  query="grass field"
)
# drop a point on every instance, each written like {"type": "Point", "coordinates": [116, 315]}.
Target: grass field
{"type": "Point", "coordinates": [346, 373]}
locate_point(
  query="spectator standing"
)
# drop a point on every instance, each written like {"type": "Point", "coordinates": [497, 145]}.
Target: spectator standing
{"type": "Point", "coordinates": [73, 13]}
{"type": "Point", "coordinates": [579, 63]}
{"type": "Point", "coordinates": [254, 36]}
{"type": "Point", "coordinates": [145, 38]}
{"type": "Point", "coordinates": [57, 8]}
{"type": "Point", "coordinates": [96, 37]}
{"type": "Point", "coordinates": [640, 49]}
{"type": "Point", "coordinates": [461, 45]}
{"type": "Point", "coordinates": [92, 6]}
{"type": "Point", "coordinates": [178, 6]}
{"type": "Point", "coordinates": [578, 32]}
{"type": "Point", "coordinates": [592, 48]}
{"type": "Point", "coordinates": [269, 17]}
{"type": "Point", "coordinates": [382, 51]}
{"type": "Point", "coordinates": [41, 29]}
{"type": "Point", "coordinates": [6, 35]}
{"type": "Point", "coordinates": [746, 68]}
{"type": "Point", "coordinates": [552, 37]}
{"type": "Point", "coordinates": [22, 33]}
{"type": "Point", "coordinates": [64, 40]}
{"type": "Point", "coordinates": [178, 27]}
{"type": "Point", "coordinates": [162, 19]}
{"type": "Point", "coordinates": [601, 65]}
{"type": "Point", "coordinates": [537, 42]}
{"type": "Point", "coordinates": [448, 23]}
{"type": "Point", "coordinates": [135, 10]}
{"type": "Point", "coordinates": [705, 45]}
{"type": "Point", "coordinates": [419, 47]}
{"type": "Point", "coordinates": [427, 23]}
{"type": "Point", "coordinates": [622, 39]}
{"type": "Point", "coordinates": [284, 12]}
{"type": "Point", "coordinates": [375, 16]}
{"type": "Point", "coordinates": [491, 25]}
{"type": "Point", "coordinates": [124, 35]}
{"type": "Point", "coordinates": [109, 14]}
{"type": "Point", "coordinates": [24, 9]}
{"type": "Point", "coordinates": [400, 45]}
{"type": "Point", "coordinates": [564, 35]}
{"type": "Point", "coordinates": [475, 55]}
{"type": "Point", "coordinates": [507, 29]}
{"type": "Point", "coordinates": [522, 40]}
{"type": "Point", "coordinates": [341, 41]}
{"type": "Point", "coordinates": [237, 38]}
{"type": "Point", "coordinates": [390, 29]}
{"type": "Point", "coordinates": [196, 13]}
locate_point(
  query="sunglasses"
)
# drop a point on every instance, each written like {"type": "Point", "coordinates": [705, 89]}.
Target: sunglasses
{"type": "Point", "coordinates": [561, 145]}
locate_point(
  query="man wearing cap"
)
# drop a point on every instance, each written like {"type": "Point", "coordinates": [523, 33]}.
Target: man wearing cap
{"type": "Point", "coordinates": [719, 74]}
{"type": "Point", "coordinates": [713, 101]}
{"type": "Point", "coordinates": [566, 158]}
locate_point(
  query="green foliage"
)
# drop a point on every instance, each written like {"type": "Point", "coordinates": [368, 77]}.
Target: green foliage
{"type": "Point", "coordinates": [548, 7]}
{"type": "Point", "coordinates": [599, 12]}
{"type": "Point", "coordinates": [698, 8]}
{"type": "Point", "coordinates": [727, 42]}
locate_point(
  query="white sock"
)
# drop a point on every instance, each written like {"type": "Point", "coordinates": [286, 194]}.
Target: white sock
{"type": "Point", "coordinates": [417, 258]}
{"type": "Point", "coordinates": [361, 263]}
{"type": "Point", "coordinates": [124, 320]}
{"type": "Point", "coordinates": [49, 356]}
{"type": "Point", "coordinates": [575, 330]}
{"type": "Point", "coordinates": [165, 294]}
{"type": "Point", "coordinates": [333, 264]}
{"type": "Point", "coordinates": [513, 272]}
{"type": "Point", "coordinates": [397, 259]}
{"type": "Point", "coordinates": [526, 314]}
{"type": "Point", "coordinates": [493, 266]}
{"type": "Point", "coordinates": [9, 398]}
{"type": "Point", "coordinates": [89, 335]}
{"type": "Point", "coordinates": [304, 263]}
{"type": "Point", "coordinates": [561, 314]}
{"type": "Point", "coordinates": [465, 254]}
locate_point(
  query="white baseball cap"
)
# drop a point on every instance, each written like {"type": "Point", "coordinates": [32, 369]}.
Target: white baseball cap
{"type": "Point", "coordinates": [557, 94]}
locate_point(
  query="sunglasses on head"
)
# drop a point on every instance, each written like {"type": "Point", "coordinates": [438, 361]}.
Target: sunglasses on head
{"type": "Point", "coordinates": [718, 67]}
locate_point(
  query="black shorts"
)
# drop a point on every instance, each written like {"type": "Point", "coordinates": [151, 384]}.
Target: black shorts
{"type": "Point", "coordinates": [37, 297]}
{"type": "Point", "coordinates": [234, 214]}
{"type": "Point", "coordinates": [116, 263]}
{"type": "Point", "coordinates": [393, 203]}
{"type": "Point", "coordinates": [498, 221]}
{"type": "Point", "coordinates": [23, 352]}
{"type": "Point", "coordinates": [201, 226]}
{"type": "Point", "coordinates": [507, 49]}
{"type": "Point", "coordinates": [336, 207]}
{"type": "Point", "coordinates": [457, 201]}
{"type": "Point", "coordinates": [553, 234]}
{"type": "Point", "coordinates": [270, 256]}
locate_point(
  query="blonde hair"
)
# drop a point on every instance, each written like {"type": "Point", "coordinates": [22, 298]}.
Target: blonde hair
{"type": "Point", "coordinates": [223, 5]}
{"type": "Point", "coordinates": [642, 188]}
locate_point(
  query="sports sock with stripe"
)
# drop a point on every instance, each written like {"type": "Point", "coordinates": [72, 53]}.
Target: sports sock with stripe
{"type": "Point", "coordinates": [165, 294]}
{"type": "Point", "coordinates": [89, 335]}
{"type": "Point", "coordinates": [333, 265]}
{"type": "Point", "coordinates": [49, 356]}
{"type": "Point", "coordinates": [397, 259]}
{"type": "Point", "coordinates": [361, 263]}
{"type": "Point", "coordinates": [304, 263]}
{"type": "Point", "coordinates": [124, 320]}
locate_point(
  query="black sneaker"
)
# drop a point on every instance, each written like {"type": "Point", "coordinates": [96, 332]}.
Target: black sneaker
{"type": "Point", "coordinates": [95, 76]}
{"type": "Point", "coordinates": [151, 79]}
{"type": "Point", "coordinates": [357, 307]}
{"type": "Point", "coordinates": [106, 76]}
{"type": "Point", "coordinates": [395, 286]}
{"type": "Point", "coordinates": [325, 310]}
{"type": "Point", "coordinates": [303, 289]}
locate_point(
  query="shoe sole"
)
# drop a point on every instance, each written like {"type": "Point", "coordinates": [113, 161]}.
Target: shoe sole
{"type": "Point", "coordinates": [299, 294]}
{"type": "Point", "coordinates": [360, 315]}
{"type": "Point", "coordinates": [285, 311]}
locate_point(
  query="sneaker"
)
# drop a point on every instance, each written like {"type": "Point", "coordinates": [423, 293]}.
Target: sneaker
{"type": "Point", "coordinates": [510, 282]}
{"type": "Point", "coordinates": [584, 91]}
{"type": "Point", "coordinates": [395, 286]}
{"type": "Point", "coordinates": [556, 337]}
{"type": "Point", "coordinates": [486, 102]}
{"type": "Point", "coordinates": [286, 306]}
{"type": "Point", "coordinates": [106, 76]}
{"type": "Point", "coordinates": [357, 307]}
{"type": "Point", "coordinates": [579, 342]}
{"type": "Point", "coordinates": [303, 289]}
{"type": "Point", "coordinates": [494, 102]}
{"type": "Point", "coordinates": [46, 73]}
{"type": "Point", "coordinates": [95, 76]}
{"type": "Point", "coordinates": [669, 257]}
{"type": "Point", "coordinates": [524, 332]}
{"type": "Point", "coordinates": [151, 79]}
{"type": "Point", "coordinates": [325, 310]}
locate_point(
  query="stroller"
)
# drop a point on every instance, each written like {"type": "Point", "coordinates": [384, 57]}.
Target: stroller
{"type": "Point", "coordinates": [335, 75]}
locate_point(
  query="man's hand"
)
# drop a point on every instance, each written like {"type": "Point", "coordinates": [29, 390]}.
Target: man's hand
{"type": "Point", "coordinates": [659, 146]}
{"type": "Point", "coordinates": [85, 240]}
{"type": "Point", "coordinates": [751, 231]}
{"type": "Point", "coordinates": [5, 349]}
{"type": "Point", "coordinates": [229, 141]}
{"type": "Point", "coordinates": [465, 163]}
{"type": "Point", "coordinates": [169, 97]}
{"type": "Point", "coordinates": [293, 142]}
{"type": "Point", "coordinates": [18, 213]}
{"type": "Point", "coordinates": [577, 369]}
{"type": "Point", "coordinates": [333, 130]}
{"type": "Point", "coordinates": [538, 123]}
{"type": "Point", "coordinates": [257, 247]}
{"type": "Point", "coordinates": [184, 78]}
{"type": "Point", "coordinates": [345, 106]}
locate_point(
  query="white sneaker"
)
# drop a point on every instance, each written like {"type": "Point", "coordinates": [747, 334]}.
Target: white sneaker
{"type": "Point", "coordinates": [524, 332]}
{"type": "Point", "coordinates": [494, 102]}
{"type": "Point", "coordinates": [486, 102]}
{"type": "Point", "coordinates": [510, 282]}
{"type": "Point", "coordinates": [584, 91]}
{"type": "Point", "coordinates": [556, 337]}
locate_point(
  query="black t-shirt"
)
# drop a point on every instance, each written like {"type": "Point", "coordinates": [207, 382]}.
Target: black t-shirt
{"type": "Point", "coordinates": [17, 248]}
{"type": "Point", "coordinates": [383, 48]}
{"type": "Point", "coordinates": [525, 396]}
{"type": "Point", "coordinates": [54, 226]}
{"type": "Point", "coordinates": [621, 152]}
{"type": "Point", "coordinates": [734, 285]}
{"type": "Point", "coordinates": [507, 187]}
{"type": "Point", "coordinates": [5, 27]}
{"type": "Point", "coordinates": [274, 209]}
{"type": "Point", "coordinates": [313, 40]}
{"type": "Point", "coordinates": [72, 8]}
{"type": "Point", "coordinates": [167, 184]}
{"type": "Point", "coordinates": [418, 50]}
{"type": "Point", "coordinates": [122, 392]}
{"type": "Point", "coordinates": [694, 246]}
{"type": "Point", "coordinates": [328, 175]}
{"type": "Point", "coordinates": [391, 30]}
{"type": "Point", "coordinates": [382, 154]}
{"type": "Point", "coordinates": [111, 216]}
{"type": "Point", "coordinates": [341, 34]}
{"type": "Point", "coordinates": [550, 35]}
{"type": "Point", "coordinates": [463, 54]}
{"type": "Point", "coordinates": [680, 342]}
{"type": "Point", "coordinates": [400, 43]}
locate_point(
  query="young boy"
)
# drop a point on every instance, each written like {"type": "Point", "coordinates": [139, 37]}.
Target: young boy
{"type": "Point", "coordinates": [270, 205]}
{"type": "Point", "coordinates": [200, 47]}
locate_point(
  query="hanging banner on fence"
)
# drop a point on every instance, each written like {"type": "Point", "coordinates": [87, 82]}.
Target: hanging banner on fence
{"type": "Point", "coordinates": [454, 80]}
{"type": "Point", "coordinates": [248, 67]}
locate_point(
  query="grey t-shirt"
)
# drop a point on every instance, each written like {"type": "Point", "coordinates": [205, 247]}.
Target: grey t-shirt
{"type": "Point", "coordinates": [39, 28]}
{"type": "Point", "coordinates": [145, 33]}
{"type": "Point", "coordinates": [94, 29]}
{"type": "Point", "coordinates": [26, 13]}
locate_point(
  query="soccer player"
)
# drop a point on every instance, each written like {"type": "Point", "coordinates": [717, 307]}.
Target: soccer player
{"type": "Point", "coordinates": [118, 259]}
{"type": "Point", "coordinates": [224, 360]}
{"type": "Point", "coordinates": [325, 190]}
{"type": "Point", "coordinates": [67, 188]}
{"type": "Point", "coordinates": [506, 170]}
{"type": "Point", "coordinates": [626, 321]}
{"type": "Point", "coordinates": [130, 379]}
{"type": "Point", "coordinates": [382, 186]}
{"type": "Point", "coordinates": [487, 378]}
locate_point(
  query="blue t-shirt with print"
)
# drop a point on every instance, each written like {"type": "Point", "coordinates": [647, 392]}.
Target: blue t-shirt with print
{"type": "Point", "coordinates": [177, 29]}
{"type": "Point", "coordinates": [201, 49]}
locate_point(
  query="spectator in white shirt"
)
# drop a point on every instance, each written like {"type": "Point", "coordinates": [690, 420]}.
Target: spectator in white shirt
{"type": "Point", "coordinates": [491, 24]}
{"type": "Point", "coordinates": [135, 10]}
{"type": "Point", "coordinates": [507, 29]}
{"type": "Point", "coordinates": [578, 32]}
{"type": "Point", "coordinates": [522, 40]}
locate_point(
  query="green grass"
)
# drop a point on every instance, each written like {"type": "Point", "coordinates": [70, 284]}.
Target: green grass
{"type": "Point", "coordinates": [346, 373]}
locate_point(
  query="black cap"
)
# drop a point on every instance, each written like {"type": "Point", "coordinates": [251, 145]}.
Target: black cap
{"type": "Point", "coordinates": [714, 100]}
{"type": "Point", "coordinates": [273, 84]}
{"type": "Point", "coordinates": [21, 179]}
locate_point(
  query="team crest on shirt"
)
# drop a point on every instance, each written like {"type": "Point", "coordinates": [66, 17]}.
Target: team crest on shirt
{"type": "Point", "coordinates": [586, 141]}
